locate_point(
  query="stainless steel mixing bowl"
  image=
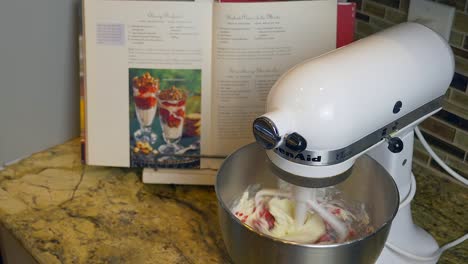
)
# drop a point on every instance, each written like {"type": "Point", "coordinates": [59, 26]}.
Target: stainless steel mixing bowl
{"type": "Point", "coordinates": [369, 183]}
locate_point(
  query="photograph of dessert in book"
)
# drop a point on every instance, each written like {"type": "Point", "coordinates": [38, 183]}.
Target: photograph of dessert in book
{"type": "Point", "coordinates": [171, 116]}
{"type": "Point", "coordinates": [145, 89]}
{"type": "Point", "coordinates": [165, 118]}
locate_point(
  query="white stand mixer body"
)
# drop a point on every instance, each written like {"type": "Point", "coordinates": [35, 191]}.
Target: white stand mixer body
{"type": "Point", "coordinates": [403, 233]}
{"type": "Point", "coordinates": [335, 115]}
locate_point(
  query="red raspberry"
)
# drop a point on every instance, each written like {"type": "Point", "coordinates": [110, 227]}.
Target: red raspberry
{"type": "Point", "coordinates": [173, 121]}
{"type": "Point", "coordinates": [164, 113]}
{"type": "Point", "coordinates": [152, 101]}
{"type": "Point", "coordinates": [180, 113]}
{"type": "Point", "coordinates": [324, 238]}
{"type": "Point", "coordinates": [152, 89]}
{"type": "Point", "coordinates": [336, 211]}
{"type": "Point", "coordinates": [149, 88]}
{"type": "Point", "coordinates": [268, 217]}
{"type": "Point", "coordinates": [145, 103]}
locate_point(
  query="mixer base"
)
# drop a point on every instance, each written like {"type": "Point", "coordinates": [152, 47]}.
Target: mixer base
{"type": "Point", "coordinates": [389, 256]}
{"type": "Point", "coordinates": [407, 237]}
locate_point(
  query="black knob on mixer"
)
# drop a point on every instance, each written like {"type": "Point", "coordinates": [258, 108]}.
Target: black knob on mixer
{"type": "Point", "coordinates": [296, 142]}
{"type": "Point", "coordinates": [395, 145]}
{"type": "Point", "coordinates": [265, 132]}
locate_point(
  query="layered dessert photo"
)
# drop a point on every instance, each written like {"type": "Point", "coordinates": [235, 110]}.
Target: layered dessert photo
{"type": "Point", "coordinates": [171, 115]}
{"type": "Point", "coordinates": [174, 97]}
{"type": "Point", "coordinates": [145, 89]}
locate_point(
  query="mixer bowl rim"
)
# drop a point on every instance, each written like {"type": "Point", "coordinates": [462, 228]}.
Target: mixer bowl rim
{"type": "Point", "coordinates": [288, 242]}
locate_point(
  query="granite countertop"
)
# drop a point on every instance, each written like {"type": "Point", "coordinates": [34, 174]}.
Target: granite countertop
{"type": "Point", "coordinates": [63, 212]}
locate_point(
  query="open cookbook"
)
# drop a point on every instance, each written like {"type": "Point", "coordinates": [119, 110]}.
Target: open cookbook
{"type": "Point", "coordinates": [178, 84]}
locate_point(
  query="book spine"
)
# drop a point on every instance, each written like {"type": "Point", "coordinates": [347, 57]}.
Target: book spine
{"type": "Point", "coordinates": [345, 24]}
{"type": "Point", "coordinates": [82, 87]}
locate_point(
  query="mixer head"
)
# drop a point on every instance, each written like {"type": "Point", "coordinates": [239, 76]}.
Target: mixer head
{"type": "Point", "coordinates": [322, 114]}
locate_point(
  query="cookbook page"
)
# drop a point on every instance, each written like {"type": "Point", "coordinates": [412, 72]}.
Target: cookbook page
{"type": "Point", "coordinates": [254, 43]}
{"type": "Point", "coordinates": [148, 72]}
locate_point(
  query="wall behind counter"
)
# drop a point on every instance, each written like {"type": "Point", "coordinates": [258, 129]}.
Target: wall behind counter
{"type": "Point", "coordinates": [39, 94]}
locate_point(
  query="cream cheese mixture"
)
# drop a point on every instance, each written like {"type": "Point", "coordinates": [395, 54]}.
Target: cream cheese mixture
{"type": "Point", "coordinates": [274, 216]}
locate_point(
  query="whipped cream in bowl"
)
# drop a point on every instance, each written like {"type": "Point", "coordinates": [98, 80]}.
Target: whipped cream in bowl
{"type": "Point", "coordinates": [345, 223]}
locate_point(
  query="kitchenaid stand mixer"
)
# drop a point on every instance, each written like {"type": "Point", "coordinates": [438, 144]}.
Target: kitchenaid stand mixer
{"type": "Point", "coordinates": [365, 98]}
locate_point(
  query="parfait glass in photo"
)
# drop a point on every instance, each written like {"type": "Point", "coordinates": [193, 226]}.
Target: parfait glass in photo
{"type": "Point", "coordinates": [171, 115]}
{"type": "Point", "coordinates": [145, 89]}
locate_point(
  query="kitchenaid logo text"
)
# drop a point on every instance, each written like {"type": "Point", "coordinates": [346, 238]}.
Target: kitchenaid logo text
{"type": "Point", "coordinates": [299, 156]}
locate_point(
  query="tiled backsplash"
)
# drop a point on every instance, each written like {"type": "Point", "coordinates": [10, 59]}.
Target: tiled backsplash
{"type": "Point", "coordinates": [447, 131]}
